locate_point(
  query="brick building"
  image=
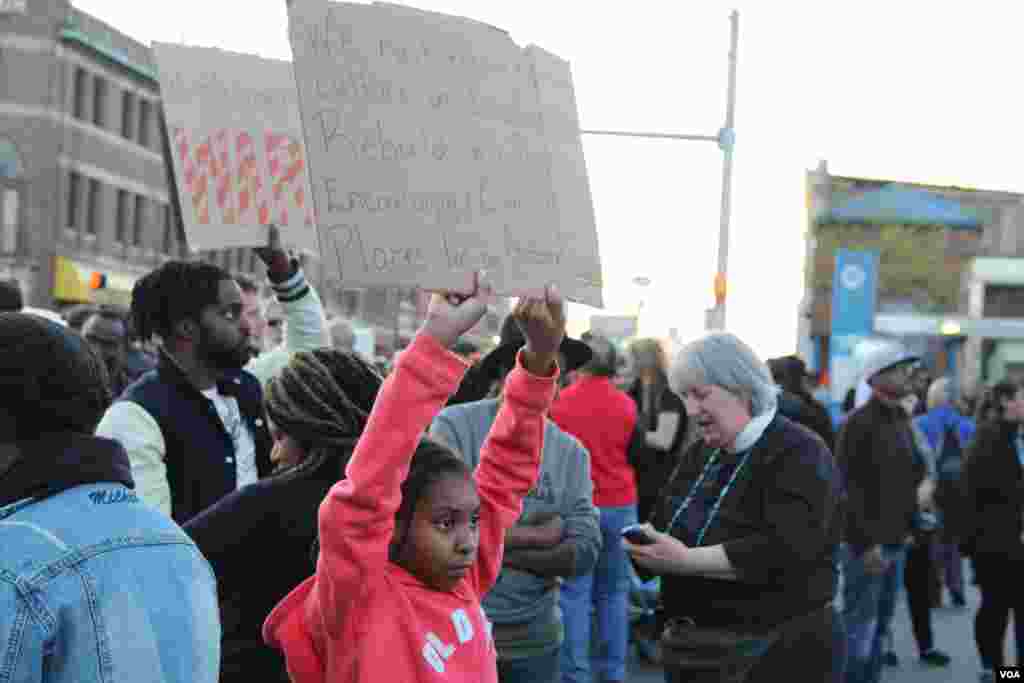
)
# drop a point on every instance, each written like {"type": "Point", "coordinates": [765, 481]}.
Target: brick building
{"type": "Point", "coordinates": [951, 270]}
{"type": "Point", "coordinates": [84, 192]}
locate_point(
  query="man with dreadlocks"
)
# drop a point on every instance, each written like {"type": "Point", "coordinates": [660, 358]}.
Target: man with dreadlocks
{"type": "Point", "coordinates": [93, 584]}
{"type": "Point", "coordinates": [194, 428]}
{"type": "Point", "coordinates": [317, 407]}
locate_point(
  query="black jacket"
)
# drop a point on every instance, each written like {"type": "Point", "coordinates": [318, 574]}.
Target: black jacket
{"type": "Point", "coordinates": [200, 454]}
{"type": "Point", "coordinates": [654, 466]}
{"type": "Point", "coordinates": [995, 491]}
{"type": "Point", "coordinates": [259, 541]}
{"type": "Point", "coordinates": [875, 450]}
{"type": "Point", "coordinates": [810, 414]}
{"type": "Point", "coordinates": [780, 526]}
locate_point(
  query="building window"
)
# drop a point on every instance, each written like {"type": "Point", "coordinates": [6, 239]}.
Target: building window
{"type": "Point", "coordinates": [74, 190]}
{"type": "Point", "coordinates": [9, 221]}
{"type": "Point", "coordinates": [140, 213]}
{"type": "Point", "coordinates": [10, 162]}
{"type": "Point", "coordinates": [79, 94]}
{"type": "Point", "coordinates": [93, 211]}
{"type": "Point", "coordinates": [241, 259]}
{"type": "Point", "coordinates": [145, 121]}
{"type": "Point", "coordinates": [127, 115]}
{"type": "Point", "coordinates": [99, 101]}
{"type": "Point", "coordinates": [252, 261]}
{"type": "Point", "coordinates": [168, 230]}
{"type": "Point", "coordinates": [121, 219]}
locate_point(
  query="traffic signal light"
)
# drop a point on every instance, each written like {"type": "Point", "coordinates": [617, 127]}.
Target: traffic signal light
{"type": "Point", "coordinates": [720, 289]}
{"type": "Point", "coordinates": [97, 280]}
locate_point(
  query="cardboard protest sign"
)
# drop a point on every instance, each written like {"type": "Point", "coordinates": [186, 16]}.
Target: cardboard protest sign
{"type": "Point", "coordinates": [236, 145]}
{"type": "Point", "coordinates": [437, 147]}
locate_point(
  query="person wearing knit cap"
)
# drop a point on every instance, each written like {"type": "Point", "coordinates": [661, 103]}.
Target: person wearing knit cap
{"type": "Point", "coordinates": [875, 450]}
{"type": "Point", "coordinates": [91, 579]}
{"type": "Point", "coordinates": [317, 407]}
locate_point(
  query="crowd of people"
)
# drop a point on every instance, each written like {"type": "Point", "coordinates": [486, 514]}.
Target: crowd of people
{"type": "Point", "coordinates": [206, 487]}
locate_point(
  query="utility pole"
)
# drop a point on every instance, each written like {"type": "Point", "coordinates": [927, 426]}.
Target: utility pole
{"type": "Point", "coordinates": [726, 140]}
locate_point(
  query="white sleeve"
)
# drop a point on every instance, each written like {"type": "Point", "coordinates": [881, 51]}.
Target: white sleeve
{"type": "Point", "coordinates": [305, 327]}
{"type": "Point", "coordinates": [141, 437]}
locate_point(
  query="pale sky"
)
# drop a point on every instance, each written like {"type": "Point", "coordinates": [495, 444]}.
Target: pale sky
{"type": "Point", "coordinates": [900, 90]}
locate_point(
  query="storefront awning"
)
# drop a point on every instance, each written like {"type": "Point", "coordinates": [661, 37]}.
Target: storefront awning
{"type": "Point", "coordinates": [905, 205]}
{"type": "Point", "coordinates": [913, 325]}
{"type": "Point", "coordinates": [78, 283]}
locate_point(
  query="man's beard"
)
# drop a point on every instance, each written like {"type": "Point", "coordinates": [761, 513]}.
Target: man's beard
{"type": "Point", "coordinates": [225, 359]}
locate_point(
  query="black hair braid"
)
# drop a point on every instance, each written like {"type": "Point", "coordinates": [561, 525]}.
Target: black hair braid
{"type": "Point", "coordinates": [322, 395]}
{"type": "Point", "coordinates": [322, 399]}
{"type": "Point", "coordinates": [176, 291]}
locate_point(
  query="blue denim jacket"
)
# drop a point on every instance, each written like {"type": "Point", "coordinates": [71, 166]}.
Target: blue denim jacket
{"type": "Point", "coordinates": [97, 587]}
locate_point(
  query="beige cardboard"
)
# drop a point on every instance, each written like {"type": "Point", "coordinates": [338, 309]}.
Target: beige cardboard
{"type": "Point", "coordinates": [236, 143]}
{"type": "Point", "coordinates": [437, 146]}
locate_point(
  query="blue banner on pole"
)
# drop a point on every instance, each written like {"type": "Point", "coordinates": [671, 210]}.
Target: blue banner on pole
{"type": "Point", "coordinates": [854, 297]}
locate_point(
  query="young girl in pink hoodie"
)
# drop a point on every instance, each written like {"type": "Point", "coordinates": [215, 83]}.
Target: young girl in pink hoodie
{"type": "Point", "coordinates": [411, 539]}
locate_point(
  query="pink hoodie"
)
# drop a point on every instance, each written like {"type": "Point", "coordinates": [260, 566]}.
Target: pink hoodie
{"type": "Point", "coordinates": [362, 618]}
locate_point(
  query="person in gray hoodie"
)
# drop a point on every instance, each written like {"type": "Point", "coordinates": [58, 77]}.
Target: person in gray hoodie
{"type": "Point", "coordinates": [558, 534]}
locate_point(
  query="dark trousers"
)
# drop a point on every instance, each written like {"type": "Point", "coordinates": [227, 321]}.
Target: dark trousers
{"type": "Point", "coordinates": [1001, 591]}
{"type": "Point", "coordinates": [541, 668]}
{"type": "Point", "coordinates": [919, 579]}
{"type": "Point", "coordinates": [806, 646]}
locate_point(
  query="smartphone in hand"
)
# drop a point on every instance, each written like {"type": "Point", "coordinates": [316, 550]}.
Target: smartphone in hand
{"type": "Point", "coordinates": [636, 534]}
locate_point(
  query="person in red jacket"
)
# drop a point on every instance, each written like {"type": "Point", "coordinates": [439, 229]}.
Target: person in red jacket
{"type": "Point", "coordinates": [412, 539]}
{"type": "Point", "coordinates": [603, 418]}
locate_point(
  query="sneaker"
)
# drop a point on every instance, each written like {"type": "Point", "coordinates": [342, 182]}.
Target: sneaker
{"type": "Point", "coordinates": [891, 659]}
{"type": "Point", "coordinates": [935, 658]}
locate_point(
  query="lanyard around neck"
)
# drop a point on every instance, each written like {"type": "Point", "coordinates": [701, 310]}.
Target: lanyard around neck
{"type": "Point", "coordinates": [696, 487]}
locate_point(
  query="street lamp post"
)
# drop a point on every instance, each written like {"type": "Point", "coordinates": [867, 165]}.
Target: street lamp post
{"type": "Point", "coordinates": [641, 282]}
{"type": "Point", "coordinates": [726, 140]}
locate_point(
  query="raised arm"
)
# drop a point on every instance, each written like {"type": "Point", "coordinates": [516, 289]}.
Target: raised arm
{"type": "Point", "coordinates": [306, 328]}
{"type": "Point", "coordinates": [357, 517]}
{"type": "Point", "coordinates": [510, 457]}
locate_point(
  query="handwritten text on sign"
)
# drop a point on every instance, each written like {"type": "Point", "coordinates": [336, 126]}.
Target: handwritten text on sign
{"type": "Point", "coordinates": [236, 146]}
{"type": "Point", "coordinates": [436, 147]}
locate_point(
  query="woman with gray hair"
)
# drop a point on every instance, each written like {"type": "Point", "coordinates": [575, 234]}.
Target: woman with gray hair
{"type": "Point", "coordinates": [745, 532]}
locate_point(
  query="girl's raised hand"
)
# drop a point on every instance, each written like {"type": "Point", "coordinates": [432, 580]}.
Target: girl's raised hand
{"type": "Point", "coordinates": [542, 322]}
{"type": "Point", "coordinates": [452, 314]}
